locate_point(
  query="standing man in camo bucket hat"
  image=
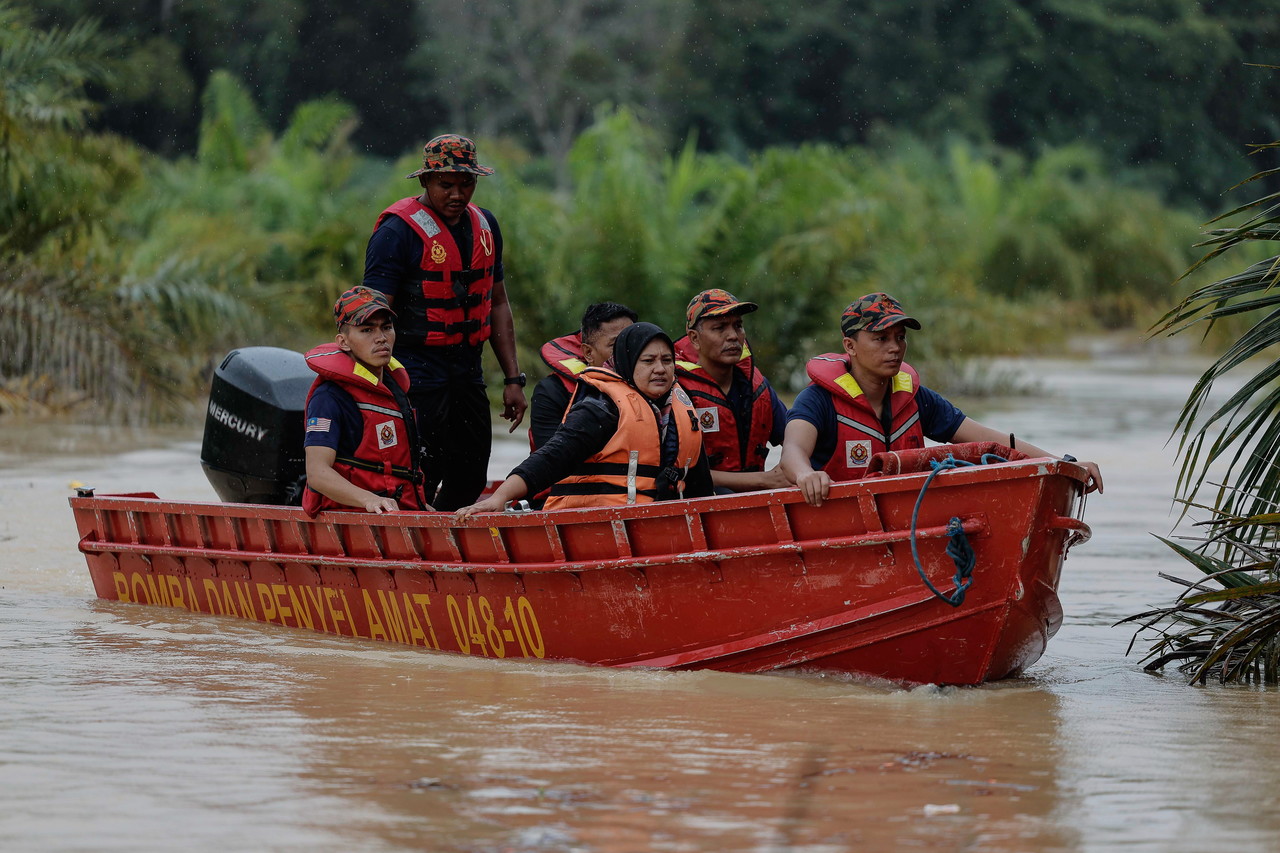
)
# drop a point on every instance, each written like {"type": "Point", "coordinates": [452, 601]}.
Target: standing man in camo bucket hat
{"type": "Point", "coordinates": [867, 399]}
{"type": "Point", "coordinates": [438, 259]}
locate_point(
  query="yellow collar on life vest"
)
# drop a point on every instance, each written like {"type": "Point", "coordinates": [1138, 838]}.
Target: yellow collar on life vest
{"type": "Point", "coordinates": [901, 382]}
{"type": "Point", "coordinates": [367, 375]}
{"type": "Point", "coordinates": [573, 365]}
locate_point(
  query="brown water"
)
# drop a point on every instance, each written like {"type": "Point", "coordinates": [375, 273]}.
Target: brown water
{"type": "Point", "coordinates": [139, 729]}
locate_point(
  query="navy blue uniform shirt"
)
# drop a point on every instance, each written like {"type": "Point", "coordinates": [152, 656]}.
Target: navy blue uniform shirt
{"type": "Point", "coordinates": [939, 419]}
{"type": "Point", "coordinates": [333, 420]}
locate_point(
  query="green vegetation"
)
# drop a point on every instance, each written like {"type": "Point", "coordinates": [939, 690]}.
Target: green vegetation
{"type": "Point", "coordinates": [1239, 640]}
{"type": "Point", "coordinates": [1226, 626]}
{"type": "Point", "coordinates": [1161, 84]}
{"type": "Point", "coordinates": [127, 273]}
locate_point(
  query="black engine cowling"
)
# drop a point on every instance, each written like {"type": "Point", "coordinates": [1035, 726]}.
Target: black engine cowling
{"type": "Point", "coordinates": [253, 429]}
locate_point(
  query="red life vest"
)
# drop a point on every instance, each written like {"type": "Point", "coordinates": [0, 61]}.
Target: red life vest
{"type": "Point", "coordinates": [717, 419]}
{"type": "Point", "coordinates": [384, 460]}
{"type": "Point", "coordinates": [564, 356]}
{"type": "Point", "coordinates": [626, 469]}
{"type": "Point", "coordinates": [453, 304]}
{"type": "Point", "coordinates": [859, 431]}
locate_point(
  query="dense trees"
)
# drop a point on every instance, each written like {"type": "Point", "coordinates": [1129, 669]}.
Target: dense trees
{"type": "Point", "coordinates": [733, 157]}
{"type": "Point", "coordinates": [285, 51]}
{"type": "Point", "coordinates": [1157, 84]}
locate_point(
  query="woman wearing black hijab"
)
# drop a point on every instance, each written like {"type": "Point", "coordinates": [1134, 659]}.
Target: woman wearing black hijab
{"type": "Point", "coordinates": [630, 436]}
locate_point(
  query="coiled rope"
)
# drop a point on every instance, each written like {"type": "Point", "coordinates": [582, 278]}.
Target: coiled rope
{"type": "Point", "coordinates": [958, 549]}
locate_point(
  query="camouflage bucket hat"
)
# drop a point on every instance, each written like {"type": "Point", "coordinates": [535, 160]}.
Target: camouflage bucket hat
{"type": "Point", "coordinates": [874, 312]}
{"type": "Point", "coordinates": [359, 304]}
{"type": "Point", "coordinates": [714, 303]}
{"type": "Point", "coordinates": [450, 153]}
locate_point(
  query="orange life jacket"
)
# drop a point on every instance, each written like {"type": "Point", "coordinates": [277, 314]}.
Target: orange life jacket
{"type": "Point", "coordinates": [385, 461]}
{"type": "Point", "coordinates": [860, 434]}
{"type": "Point", "coordinates": [626, 469]}
{"type": "Point", "coordinates": [718, 421]}
{"type": "Point", "coordinates": [453, 304]}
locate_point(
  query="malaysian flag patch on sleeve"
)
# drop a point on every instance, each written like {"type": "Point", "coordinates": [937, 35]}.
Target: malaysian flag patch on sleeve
{"type": "Point", "coordinates": [318, 424]}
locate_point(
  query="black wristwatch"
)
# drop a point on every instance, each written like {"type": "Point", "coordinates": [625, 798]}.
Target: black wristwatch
{"type": "Point", "coordinates": [520, 380]}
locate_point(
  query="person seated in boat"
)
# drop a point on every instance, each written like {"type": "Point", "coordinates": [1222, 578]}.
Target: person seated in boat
{"type": "Point", "coordinates": [630, 436]}
{"type": "Point", "coordinates": [739, 413]}
{"type": "Point", "coordinates": [361, 441]}
{"type": "Point", "coordinates": [868, 399]}
{"type": "Point", "coordinates": [567, 356]}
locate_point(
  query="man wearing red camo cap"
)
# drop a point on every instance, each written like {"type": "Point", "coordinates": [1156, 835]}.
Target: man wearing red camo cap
{"type": "Point", "coordinates": [739, 413]}
{"type": "Point", "coordinates": [438, 258]}
{"type": "Point", "coordinates": [361, 442]}
{"type": "Point", "coordinates": [867, 399]}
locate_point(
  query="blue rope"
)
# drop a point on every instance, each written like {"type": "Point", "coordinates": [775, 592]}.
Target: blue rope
{"type": "Point", "coordinates": [958, 549]}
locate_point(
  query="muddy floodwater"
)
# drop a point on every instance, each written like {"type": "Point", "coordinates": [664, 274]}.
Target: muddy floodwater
{"type": "Point", "coordinates": [129, 728]}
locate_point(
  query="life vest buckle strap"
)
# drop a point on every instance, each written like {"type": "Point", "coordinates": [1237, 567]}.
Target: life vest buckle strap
{"type": "Point", "coordinates": [467, 277]}
{"type": "Point", "coordinates": [616, 469]}
{"type": "Point", "coordinates": [670, 480]}
{"type": "Point", "coordinates": [462, 327]}
{"type": "Point", "coordinates": [462, 300]}
{"type": "Point", "coordinates": [633, 463]}
{"type": "Point", "coordinates": [563, 489]}
{"type": "Point", "coordinates": [413, 476]}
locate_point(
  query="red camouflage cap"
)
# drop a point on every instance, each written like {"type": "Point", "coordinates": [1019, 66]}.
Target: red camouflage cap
{"type": "Point", "coordinates": [874, 312]}
{"type": "Point", "coordinates": [714, 303]}
{"type": "Point", "coordinates": [359, 304]}
{"type": "Point", "coordinates": [450, 153]}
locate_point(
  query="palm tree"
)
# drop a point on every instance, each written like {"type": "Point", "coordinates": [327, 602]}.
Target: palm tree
{"type": "Point", "coordinates": [1238, 640]}
{"type": "Point", "coordinates": [1249, 421]}
{"type": "Point", "coordinates": [43, 74]}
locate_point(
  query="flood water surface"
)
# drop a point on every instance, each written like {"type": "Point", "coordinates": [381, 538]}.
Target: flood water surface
{"type": "Point", "coordinates": [137, 728]}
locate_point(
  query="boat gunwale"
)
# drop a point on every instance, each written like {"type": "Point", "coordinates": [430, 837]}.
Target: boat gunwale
{"type": "Point", "coordinates": [973, 524]}
{"type": "Point", "coordinates": [850, 489]}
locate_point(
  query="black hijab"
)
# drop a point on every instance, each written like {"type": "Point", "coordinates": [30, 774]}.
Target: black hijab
{"type": "Point", "coordinates": [627, 348]}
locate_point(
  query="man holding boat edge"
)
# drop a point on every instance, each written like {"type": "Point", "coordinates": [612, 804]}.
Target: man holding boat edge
{"type": "Point", "coordinates": [361, 443]}
{"type": "Point", "coordinates": [868, 399]}
{"type": "Point", "coordinates": [438, 258]}
{"type": "Point", "coordinates": [630, 436]}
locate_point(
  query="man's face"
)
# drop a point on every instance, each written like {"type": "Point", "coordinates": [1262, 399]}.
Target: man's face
{"type": "Point", "coordinates": [719, 340]}
{"type": "Point", "coordinates": [370, 342]}
{"type": "Point", "coordinates": [598, 349]}
{"type": "Point", "coordinates": [878, 353]}
{"type": "Point", "coordinates": [449, 193]}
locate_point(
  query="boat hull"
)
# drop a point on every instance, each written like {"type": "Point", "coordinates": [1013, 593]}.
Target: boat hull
{"type": "Point", "coordinates": [740, 583]}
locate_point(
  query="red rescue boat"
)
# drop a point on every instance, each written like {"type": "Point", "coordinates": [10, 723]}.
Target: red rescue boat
{"type": "Point", "coordinates": [741, 583]}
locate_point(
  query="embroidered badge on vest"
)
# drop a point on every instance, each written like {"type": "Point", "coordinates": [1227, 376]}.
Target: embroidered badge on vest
{"type": "Point", "coordinates": [387, 435]}
{"type": "Point", "coordinates": [857, 453]}
{"type": "Point", "coordinates": [438, 254]}
{"type": "Point", "coordinates": [709, 419]}
{"type": "Point", "coordinates": [680, 395]}
{"type": "Point", "coordinates": [427, 222]}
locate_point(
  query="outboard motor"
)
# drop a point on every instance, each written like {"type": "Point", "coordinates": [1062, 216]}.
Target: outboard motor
{"type": "Point", "coordinates": [253, 430]}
